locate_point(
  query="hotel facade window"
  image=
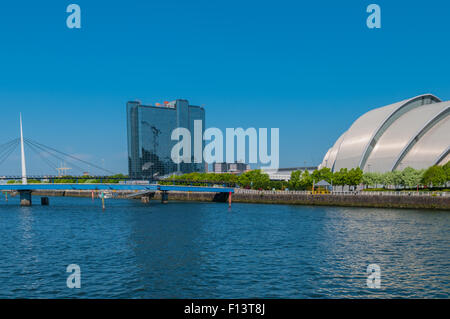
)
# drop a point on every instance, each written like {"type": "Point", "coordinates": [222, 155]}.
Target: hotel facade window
{"type": "Point", "coordinates": [149, 130]}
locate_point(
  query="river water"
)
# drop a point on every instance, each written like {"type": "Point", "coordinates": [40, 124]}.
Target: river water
{"type": "Point", "coordinates": [205, 250]}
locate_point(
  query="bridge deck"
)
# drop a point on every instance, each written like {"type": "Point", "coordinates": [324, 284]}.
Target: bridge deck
{"type": "Point", "coordinates": [119, 187]}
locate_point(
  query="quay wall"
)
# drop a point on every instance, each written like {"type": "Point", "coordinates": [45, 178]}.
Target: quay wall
{"type": "Point", "coordinates": [290, 198]}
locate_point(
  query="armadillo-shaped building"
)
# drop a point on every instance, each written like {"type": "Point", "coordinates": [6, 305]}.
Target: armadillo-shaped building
{"type": "Point", "coordinates": [411, 133]}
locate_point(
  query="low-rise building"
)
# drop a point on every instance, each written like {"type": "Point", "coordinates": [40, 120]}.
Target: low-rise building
{"type": "Point", "coordinates": [284, 174]}
{"type": "Point", "coordinates": [232, 168]}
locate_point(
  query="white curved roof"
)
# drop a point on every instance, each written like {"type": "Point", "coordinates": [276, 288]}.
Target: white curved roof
{"type": "Point", "coordinates": [445, 158]}
{"type": "Point", "coordinates": [330, 157]}
{"type": "Point", "coordinates": [391, 144]}
{"type": "Point", "coordinates": [429, 147]}
{"type": "Point", "coordinates": [381, 139]}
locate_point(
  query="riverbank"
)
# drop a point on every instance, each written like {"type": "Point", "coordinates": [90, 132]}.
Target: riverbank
{"type": "Point", "coordinates": [290, 198]}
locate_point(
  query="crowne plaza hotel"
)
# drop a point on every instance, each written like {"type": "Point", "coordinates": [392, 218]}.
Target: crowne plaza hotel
{"type": "Point", "coordinates": [149, 137]}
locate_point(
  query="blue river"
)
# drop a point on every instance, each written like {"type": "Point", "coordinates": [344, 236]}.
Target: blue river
{"type": "Point", "coordinates": [206, 250]}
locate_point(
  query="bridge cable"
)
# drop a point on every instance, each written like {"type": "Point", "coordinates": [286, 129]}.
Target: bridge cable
{"type": "Point", "coordinates": [6, 151]}
{"type": "Point", "coordinates": [5, 147]}
{"type": "Point", "coordinates": [46, 160]}
{"type": "Point", "coordinates": [5, 154]}
{"type": "Point", "coordinates": [55, 156]}
{"type": "Point", "coordinates": [68, 155]}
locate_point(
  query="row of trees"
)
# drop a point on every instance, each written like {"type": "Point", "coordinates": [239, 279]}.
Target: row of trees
{"type": "Point", "coordinates": [303, 180]}
{"type": "Point", "coordinates": [435, 176]}
{"type": "Point", "coordinates": [253, 179]}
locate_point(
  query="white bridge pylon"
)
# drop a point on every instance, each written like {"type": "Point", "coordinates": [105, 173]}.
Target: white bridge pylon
{"type": "Point", "coordinates": [22, 148]}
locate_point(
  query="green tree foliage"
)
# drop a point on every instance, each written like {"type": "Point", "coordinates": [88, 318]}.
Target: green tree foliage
{"type": "Point", "coordinates": [278, 185]}
{"type": "Point", "coordinates": [300, 180]}
{"type": "Point", "coordinates": [340, 177]}
{"type": "Point", "coordinates": [324, 174]}
{"type": "Point", "coordinates": [354, 176]}
{"type": "Point", "coordinates": [255, 179]}
{"type": "Point", "coordinates": [306, 181]}
{"type": "Point", "coordinates": [388, 179]}
{"type": "Point", "coordinates": [200, 179]}
{"type": "Point", "coordinates": [446, 168]}
{"type": "Point", "coordinates": [34, 181]}
{"type": "Point", "coordinates": [435, 176]}
{"type": "Point", "coordinates": [65, 180]}
{"type": "Point", "coordinates": [303, 180]}
{"type": "Point", "coordinates": [372, 179]}
{"type": "Point", "coordinates": [411, 177]}
{"type": "Point", "coordinates": [115, 179]}
{"type": "Point", "coordinates": [294, 182]}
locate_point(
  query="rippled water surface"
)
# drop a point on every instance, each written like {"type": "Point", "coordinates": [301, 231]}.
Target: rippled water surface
{"type": "Point", "coordinates": [205, 250]}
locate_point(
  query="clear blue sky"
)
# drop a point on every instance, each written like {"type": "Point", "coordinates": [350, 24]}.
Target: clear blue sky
{"type": "Point", "coordinates": [308, 67]}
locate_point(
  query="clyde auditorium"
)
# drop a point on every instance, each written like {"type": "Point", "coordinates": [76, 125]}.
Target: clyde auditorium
{"type": "Point", "coordinates": [413, 133]}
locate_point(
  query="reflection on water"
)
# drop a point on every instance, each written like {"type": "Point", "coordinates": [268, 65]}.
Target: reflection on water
{"type": "Point", "coordinates": [204, 250]}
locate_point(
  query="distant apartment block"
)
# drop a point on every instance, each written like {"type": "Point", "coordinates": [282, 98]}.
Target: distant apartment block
{"type": "Point", "coordinates": [232, 168]}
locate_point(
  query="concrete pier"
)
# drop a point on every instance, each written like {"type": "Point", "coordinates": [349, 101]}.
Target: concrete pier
{"type": "Point", "coordinates": [165, 197]}
{"type": "Point", "coordinates": [25, 198]}
{"type": "Point", "coordinates": [45, 201]}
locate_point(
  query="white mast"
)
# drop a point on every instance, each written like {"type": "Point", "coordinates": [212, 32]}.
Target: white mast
{"type": "Point", "coordinates": [24, 167]}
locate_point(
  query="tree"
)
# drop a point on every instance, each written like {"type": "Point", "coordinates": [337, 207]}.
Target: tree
{"type": "Point", "coordinates": [306, 180]}
{"type": "Point", "coordinates": [340, 177]}
{"type": "Point", "coordinates": [446, 168]}
{"type": "Point", "coordinates": [369, 179]}
{"type": "Point", "coordinates": [254, 179]}
{"type": "Point", "coordinates": [294, 182]}
{"type": "Point", "coordinates": [411, 177]}
{"type": "Point", "coordinates": [323, 174]}
{"type": "Point", "coordinates": [397, 178]}
{"type": "Point", "coordinates": [434, 176]}
{"type": "Point", "coordinates": [354, 176]}
{"type": "Point", "coordinates": [388, 179]}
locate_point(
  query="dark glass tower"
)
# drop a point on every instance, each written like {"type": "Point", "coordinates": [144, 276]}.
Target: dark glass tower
{"type": "Point", "coordinates": [149, 138]}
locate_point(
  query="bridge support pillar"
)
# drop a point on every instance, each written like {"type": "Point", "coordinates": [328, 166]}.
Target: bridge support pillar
{"type": "Point", "coordinates": [165, 197]}
{"type": "Point", "coordinates": [145, 199]}
{"type": "Point", "coordinates": [45, 201]}
{"type": "Point", "coordinates": [25, 198]}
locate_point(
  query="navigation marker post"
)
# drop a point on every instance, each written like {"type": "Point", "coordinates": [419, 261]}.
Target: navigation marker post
{"type": "Point", "coordinates": [103, 200]}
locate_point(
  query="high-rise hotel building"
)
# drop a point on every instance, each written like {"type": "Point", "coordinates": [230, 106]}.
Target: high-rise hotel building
{"type": "Point", "coordinates": [149, 138]}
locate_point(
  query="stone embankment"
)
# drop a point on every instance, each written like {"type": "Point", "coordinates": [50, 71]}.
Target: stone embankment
{"type": "Point", "coordinates": [362, 199]}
